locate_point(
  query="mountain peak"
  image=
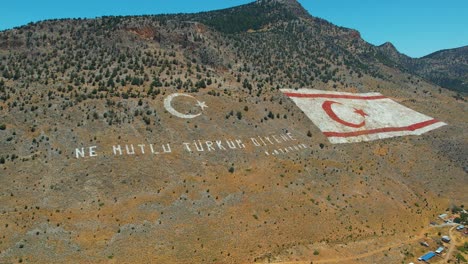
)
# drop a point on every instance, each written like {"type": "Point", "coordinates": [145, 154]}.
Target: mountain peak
{"type": "Point", "coordinates": [389, 48]}
{"type": "Point", "coordinates": [278, 1]}
{"type": "Point", "coordinates": [252, 16]}
{"type": "Point", "coordinates": [388, 45]}
{"type": "Point", "coordinates": [293, 5]}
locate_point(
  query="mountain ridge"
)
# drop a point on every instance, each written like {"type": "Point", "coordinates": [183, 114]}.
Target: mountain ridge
{"type": "Point", "coordinates": [447, 68]}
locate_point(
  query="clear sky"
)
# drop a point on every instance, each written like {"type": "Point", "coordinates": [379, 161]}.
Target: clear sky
{"type": "Point", "coordinates": [415, 27]}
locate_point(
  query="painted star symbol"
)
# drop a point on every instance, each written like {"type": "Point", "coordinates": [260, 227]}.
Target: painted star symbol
{"type": "Point", "coordinates": [360, 112]}
{"type": "Point", "coordinates": [202, 105]}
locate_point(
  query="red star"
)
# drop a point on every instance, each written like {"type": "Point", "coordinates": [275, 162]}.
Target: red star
{"type": "Point", "coordinates": [360, 112]}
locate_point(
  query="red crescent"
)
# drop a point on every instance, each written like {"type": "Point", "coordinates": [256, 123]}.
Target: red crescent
{"type": "Point", "coordinates": [327, 106]}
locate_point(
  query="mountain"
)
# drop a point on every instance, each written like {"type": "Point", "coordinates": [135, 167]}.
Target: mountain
{"type": "Point", "coordinates": [97, 165]}
{"type": "Point", "coordinates": [446, 68]}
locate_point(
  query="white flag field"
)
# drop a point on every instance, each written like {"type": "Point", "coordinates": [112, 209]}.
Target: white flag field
{"type": "Point", "coordinates": [351, 117]}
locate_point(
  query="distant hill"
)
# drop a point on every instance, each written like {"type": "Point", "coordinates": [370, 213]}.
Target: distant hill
{"type": "Point", "coordinates": [95, 167]}
{"type": "Point", "coordinates": [446, 68]}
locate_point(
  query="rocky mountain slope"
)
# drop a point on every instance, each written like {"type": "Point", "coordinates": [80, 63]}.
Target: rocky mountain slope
{"type": "Point", "coordinates": [94, 167]}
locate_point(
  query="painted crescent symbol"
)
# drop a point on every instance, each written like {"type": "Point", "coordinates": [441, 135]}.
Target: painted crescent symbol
{"type": "Point", "coordinates": [170, 109]}
{"type": "Point", "coordinates": [327, 106]}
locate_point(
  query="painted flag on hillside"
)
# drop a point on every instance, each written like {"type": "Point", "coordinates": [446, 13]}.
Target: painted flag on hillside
{"type": "Point", "coordinates": [349, 117]}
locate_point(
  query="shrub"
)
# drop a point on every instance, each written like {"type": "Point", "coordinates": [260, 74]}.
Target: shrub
{"type": "Point", "coordinates": [239, 115]}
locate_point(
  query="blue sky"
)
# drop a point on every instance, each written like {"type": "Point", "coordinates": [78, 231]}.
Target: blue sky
{"type": "Point", "coordinates": [415, 27]}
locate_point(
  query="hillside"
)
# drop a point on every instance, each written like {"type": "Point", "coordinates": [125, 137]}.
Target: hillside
{"type": "Point", "coordinates": [146, 186]}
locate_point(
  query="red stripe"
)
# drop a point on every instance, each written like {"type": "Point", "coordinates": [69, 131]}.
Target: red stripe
{"type": "Point", "coordinates": [339, 96]}
{"type": "Point", "coordinates": [381, 130]}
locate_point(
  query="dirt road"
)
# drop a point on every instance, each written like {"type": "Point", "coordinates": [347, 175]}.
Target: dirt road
{"type": "Point", "coordinates": [384, 248]}
{"type": "Point", "coordinates": [452, 245]}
